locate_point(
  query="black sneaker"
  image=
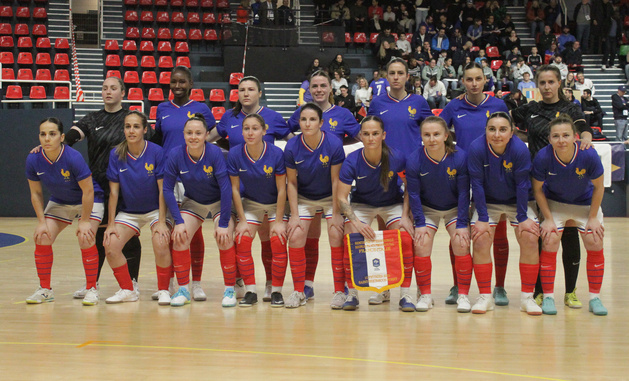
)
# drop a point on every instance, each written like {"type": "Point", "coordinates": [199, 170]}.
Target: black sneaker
{"type": "Point", "coordinates": [277, 300]}
{"type": "Point", "coordinates": [249, 300]}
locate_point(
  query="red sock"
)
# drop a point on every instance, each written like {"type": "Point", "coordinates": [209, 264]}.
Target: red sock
{"type": "Point", "coordinates": [452, 263]}
{"type": "Point", "coordinates": [297, 257]}
{"type": "Point", "coordinates": [245, 260]}
{"type": "Point", "coordinates": [595, 270]}
{"type": "Point", "coordinates": [122, 276]}
{"type": "Point", "coordinates": [483, 277]}
{"type": "Point", "coordinates": [90, 265]}
{"type": "Point", "coordinates": [312, 257]}
{"type": "Point", "coordinates": [423, 274]}
{"type": "Point", "coordinates": [463, 265]}
{"type": "Point", "coordinates": [228, 265]}
{"type": "Point", "coordinates": [407, 258]}
{"type": "Point", "coordinates": [548, 267]}
{"type": "Point", "coordinates": [347, 264]}
{"type": "Point", "coordinates": [43, 262]}
{"type": "Point", "coordinates": [267, 259]}
{"type": "Point", "coordinates": [280, 261]}
{"type": "Point", "coordinates": [163, 277]}
{"type": "Point", "coordinates": [197, 252]}
{"type": "Point", "coordinates": [181, 265]}
{"type": "Point", "coordinates": [501, 253]}
{"type": "Point", "coordinates": [338, 269]}
{"type": "Point", "coordinates": [528, 276]}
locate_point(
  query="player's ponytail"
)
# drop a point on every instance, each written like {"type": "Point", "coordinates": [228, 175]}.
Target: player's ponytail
{"type": "Point", "coordinates": [386, 152]}
{"type": "Point", "coordinates": [122, 149]}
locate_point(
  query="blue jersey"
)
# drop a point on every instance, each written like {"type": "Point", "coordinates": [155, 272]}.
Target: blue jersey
{"type": "Point", "coordinates": [230, 126]}
{"type": "Point", "coordinates": [468, 119]}
{"type": "Point", "coordinates": [570, 183]}
{"type": "Point", "coordinates": [500, 179]}
{"type": "Point", "coordinates": [257, 177]}
{"type": "Point", "coordinates": [62, 176]}
{"type": "Point", "coordinates": [305, 85]}
{"type": "Point", "coordinates": [205, 180]}
{"type": "Point", "coordinates": [438, 184]}
{"type": "Point", "coordinates": [171, 118]}
{"type": "Point", "coordinates": [337, 120]}
{"type": "Point", "coordinates": [379, 87]}
{"type": "Point", "coordinates": [313, 165]}
{"type": "Point", "coordinates": [401, 120]}
{"type": "Point", "coordinates": [138, 178]}
{"type": "Point", "coordinates": [368, 188]}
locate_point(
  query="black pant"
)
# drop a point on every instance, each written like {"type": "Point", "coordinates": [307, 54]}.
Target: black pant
{"type": "Point", "coordinates": [132, 251]}
{"type": "Point", "coordinates": [609, 50]}
{"type": "Point", "coordinates": [571, 257]}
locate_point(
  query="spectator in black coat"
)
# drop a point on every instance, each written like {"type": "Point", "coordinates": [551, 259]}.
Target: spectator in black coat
{"type": "Point", "coordinates": [592, 109]}
{"type": "Point", "coordinates": [345, 99]}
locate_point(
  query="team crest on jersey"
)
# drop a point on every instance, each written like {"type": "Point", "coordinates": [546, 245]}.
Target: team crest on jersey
{"type": "Point", "coordinates": [149, 168]}
{"type": "Point", "coordinates": [325, 160]}
{"type": "Point", "coordinates": [451, 173]}
{"type": "Point", "coordinates": [65, 174]}
{"type": "Point", "coordinates": [488, 113]}
{"type": "Point", "coordinates": [333, 123]}
{"type": "Point", "coordinates": [580, 172]}
{"type": "Point", "coordinates": [508, 166]}
{"type": "Point", "coordinates": [390, 174]}
{"type": "Point", "coordinates": [208, 170]}
{"type": "Point", "coordinates": [268, 171]}
{"type": "Point", "coordinates": [557, 114]}
{"type": "Point", "coordinates": [411, 112]}
{"type": "Point", "coordinates": [190, 115]}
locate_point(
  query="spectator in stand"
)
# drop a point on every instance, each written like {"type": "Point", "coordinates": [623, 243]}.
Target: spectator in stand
{"type": "Point", "coordinates": [475, 31]}
{"type": "Point", "coordinates": [534, 60]}
{"type": "Point", "coordinates": [255, 12]}
{"type": "Point", "coordinates": [448, 75]}
{"type": "Point", "coordinates": [385, 47]}
{"type": "Point", "coordinates": [414, 68]}
{"type": "Point", "coordinates": [243, 12]}
{"type": "Point", "coordinates": [337, 82]}
{"type": "Point", "coordinates": [314, 66]}
{"type": "Point", "coordinates": [592, 109]}
{"type": "Point", "coordinates": [458, 39]}
{"type": "Point", "coordinates": [429, 53]}
{"type": "Point", "coordinates": [434, 92]}
{"type": "Point", "coordinates": [404, 46]}
{"type": "Point", "coordinates": [504, 77]}
{"type": "Point", "coordinates": [510, 42]}
{"type": "Point", "coordinates": [359, 16]}
{"type": "Point", "coordinates": [468, 15]}
{"type": "Point", "coordinates": [584, 83]}
{"type": "Point", "coordinates": [459, 55]}
{"type": "Point", "coordinates": [268, 13]}
{"type": "Point", "coordinates": [439, 7]}
{"type": "Point", "coordinates": [570, 97]}
{"type": "Point", "coordinates": [499, 94]}
{"type": "Point", "coordinates": [375, 14]}
{"type": "Point", "coordinates": [491, 33]}
{"type": "Point", "coordinates": [443, 55]}
{"type": "Point", "coordinates": [286, 17]}
{"type": "Point", "coordinates": [420, 37]}
{"type": "Point", "coordinates": [620, 107]}
{"type": "Point", "coordinates": [363, 94]}
{"type": "Point", "coordinates": [553, 15]}
{"type": "Point", "coordinates": [339, 13]}
{"type": "Point", "coordinates": [563, 68]}
{"type": "Point", "coordinates": [485, 10]}
{"type": "Point", "coordinates": [421, 11]}
{"type": "Point", "coordinates": [430, 27]}
{"type": "Point", "coordinates": [602, 12]}
{"type": "Point", "coordinates": [338, 64]}
{"type": "Point", "coordinates": [514, 100]}
{"type": "Point", "coordinates": [519, 70]}
{"type": "Point", "coordinates": [573, 56]}
{"type": "Point", "coordinates": [420, 56]}
{"type": "Point", "coordinates": [444, 24]}
{"type": "Point", "coordinates": [535, 17]}
{"type": "Point", "coordinates": [506, 23]}
{"type": "Point", "coordinates": [389, 18]}
{"type": "Point", "coordinates": [565, 39]}
{"type": "Point", "coordinates": [545, 39]}
{"type": "Point", "coordinates": [514, 56]}
{"type": "Point", "coordinates": [488, 73]}
{"type": "Point", "coordinates": [583, 17]}
{"type": "Point", "coordinates": [627, 68]}
{"type": "Point", "coordinates": [550, 54]}
{"type": "Point", "coordinates": [417, 86]}
{"type": "Point", "coordinates": [406, 23]}
{"type": "Point", "coordinates": [440, 41]}
{"type": "Point", "coordinates": [568, 82]}
{"type": "Point", "coordinates": [431, 70]}
{"type": "Point", "coordinates": [612, 35]}
{"type": "Point", "coordinates": [526, 82]}
{"type": "Point", "coordinates": [481, 56]}
{"type": "Point", "coordinates": [344, 99]}
{"type": "Point", "coordinates": [461, 70]}
{"type": "Point", "coordinates": [499, 11]}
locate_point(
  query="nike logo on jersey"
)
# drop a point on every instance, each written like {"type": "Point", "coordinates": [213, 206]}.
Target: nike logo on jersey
{"type": "Point", "coordinates": [164, 117]}
{"type": "Point", "coordinates": [552, 174]}
{"type": "Point", "coordinates": [424, 174]}
{"type": "Point", "coordinates": [460, 116]}
{"type": "Point", "coordinates": [98, 128]}
{"type": "Point", "coordinates": [40, 173]}
{"type": "Point", "coordinates": [360, 177]}
{"type": "Point", "coordinates": [122, 170]}
{"type": "Point", "coordinates": [183, 172]}
{"type": "Point", "coordinates": [382, 112]}
{"type": "Point", "coordinates": [534, 116]}
{"type": "Point", "coordinates": [299, 162]}
{"type": "Point", "coordinates": [235, 125]}
{"type": "Point", "coordinates": [242, 170]}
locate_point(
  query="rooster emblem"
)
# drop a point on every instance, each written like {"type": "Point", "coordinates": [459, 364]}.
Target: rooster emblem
{"type": "Point", "coordinates": [149, 168]}
{"type": "Point", "coordinates": [333, 123]}
{"type": "Point", "coordinates": [507, 166]}
{"type": "Point", "coordinates": [411, 111]}
{"type": "Point", "coordinates": [324, 160]}
{"type": "Point", "coordinates": [268, 171]}
{"type": "Point", "coordinates": [580, 172]}
{"type": "Point", "coordinates": [208, 170]}
{"type": "Point", "coordinates": [65, 174]}
{"type": "Point", "coordinates": [451, 173]}
{"type": "Point", "coordinates": [190, 115]}
{"type": "Point", "coordinates": [488, 113]}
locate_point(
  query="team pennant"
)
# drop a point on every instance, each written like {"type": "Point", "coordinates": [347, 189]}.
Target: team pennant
{"type": "Point", "coordinates": [376, 264]}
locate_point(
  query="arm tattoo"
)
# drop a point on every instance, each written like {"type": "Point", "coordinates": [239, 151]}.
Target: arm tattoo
{"type": "Point", "coordinates": [347, 211]}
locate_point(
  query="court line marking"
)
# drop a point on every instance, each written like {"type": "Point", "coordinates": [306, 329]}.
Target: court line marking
{"type": "Point", "coordinates": [17, 244]}
{"type": "Point", "coordinates": [105, 344]}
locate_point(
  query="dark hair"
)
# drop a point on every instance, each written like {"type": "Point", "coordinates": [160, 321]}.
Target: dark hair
{"type": "Point", "coordinates": [587, 91]}
{"type": "Point", "coordinates": [256, 117]}
{"type": "Point", "coordinates": [433, 78]}
{"type": "Point", "coordinates": [557, 73]}
{"type": "Point", "coordinates": [501, 114]}
{"type": "Point", "coordinates": [186, 72]}
{"type": "Point", "coordinates": [120, 82]}
{"type": "Point", "coordinates": [238, 106]}
{"type": "Point", "coordinates": [472, 65]}
{"type": "Point", "coordinates": [562, 119]}
{"type": "Point", "coordinates": [53, 120]}
{"type": "Point", "coordinates": [397, 60]}
{"type": "Point", "coordinates": [384, 160]}
{"type": "Point", "coordinates": [311, 106]}
{"type": "Point", "coordinates": [324, 74]}
{"type": "Point", "coordinates": [123, 148]}
{"type": "Point", "coordinates": [198, 117]}
{"type": "Point", "coordinates": [450, 146]}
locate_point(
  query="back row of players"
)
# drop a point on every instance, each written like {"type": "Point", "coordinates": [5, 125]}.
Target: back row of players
{"type": "Point", "coordinates": [188, 179]}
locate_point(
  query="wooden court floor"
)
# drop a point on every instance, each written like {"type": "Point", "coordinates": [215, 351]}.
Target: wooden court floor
{"type": "Point", "coordinates": [143, 341]}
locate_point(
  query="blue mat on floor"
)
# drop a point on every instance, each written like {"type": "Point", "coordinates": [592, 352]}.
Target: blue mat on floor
{"type": "Point", "coordinates": [10, 239]}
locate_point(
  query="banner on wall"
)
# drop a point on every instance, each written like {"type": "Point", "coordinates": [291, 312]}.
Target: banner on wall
{"type": "Point", "coordinates": [376, 264]}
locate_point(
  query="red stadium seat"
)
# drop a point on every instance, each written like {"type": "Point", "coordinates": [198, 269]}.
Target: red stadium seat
{"type": "Point", "coordinates": [43, 75]}
{"type": "Point", "coordinates": [165, 62]}
{"type": "Point", "coordinates": [40, 30]}
{"type": "Point", "coordinates": [163, 17]}
{"type": "Point", "coordinates": [40, 13]}
{"type": "Point", "coordinates": [218, 112]}
{"type": "Point", "coordinates": [21, 30]}
{"type": "Point", "coordinates": [131, 16]}
{"type": "Point", "coordinates": [436, 111]}
{"type": "Point", "coordinates": [147, 17]}
{"type": "Point", "coordinates": [135, 94]}
{"type": "Point", "coordinates": [235, 78]}
{"type": "Point", "coordinates": [130, 2]}
{"type": "Point", "coordinates": [217, 95]}
{"type": "Point", "coordinates": [182, 47]}
{"type": "Point", "coordinates": [178, 18]}
{"type": "Point", "coordinates": [132, 32]}
{"type": "Point", "coordinates": [161, 3]}
{"type": "Point", "coordinates": [156, 95]}
{"type": "Point", "coordinates": [146, 3]}
{"type": "Point", "coordinates": [183, 61]}
{"type": "Point", "coordinates": [164, 47]}
{"type": "Point", "coordinates": [180, 34]}
{"type": "Point", "coordinates": [222, 4]}
{"type": "Point", "coordinates": [348, 38]}
{"type": "Point", "coordinates": [112, 60]}
{"type": "Point", "coordinates": [130, 61]}
{"type": "Point", "coordinates": [38, 92]}
{"type": "Point", "coordinates": [149, 77]}
{"type": "Point", "coordinates": [148, 34]}
{"type": "Point", "coordinates": [474, 49]}
{"type": "Point", "coordinates": [233, 95]}
{"type": "Point", "coordinates": [192, 3]}
{"type": "Point", "coordinates": [147, 46]}
{"type": "Point", "coordinates": [7, 73]}
{"type": "Point", "coordinates": [14, 92]}
{"type": "Point", "coordinates": [209, 18]}
{"type": "Point", "coordinates": [193, 18]}
{"type": "Point", "coordinates": [64, 75]}
{"type": "Point", "coordinates": [171, 96]}
{"type": "Point", "coordinates": [6, 42]}
{"type": "Point", "coordinates": [42, 43]}
{"type": "Point", "coordinates": [496, 64]}
{"type": "Point", "coordinates": [23, 13]}
{"type": "Point", "coordinates": [6, 11]}
{"type": "Point", "coordinates": [62, 44]}
{"type": "Point", "coordinates": [112, 46]}
{"type": "Point", "coordinates": [6, 58]}
{"type": "Point", "coordinates": [153, 113]}
{"type": "Point", "coordinates": [131, 77]}
{"type": "Point", "coordinates": [176, 3]}
{"type": "Point", "coordinates": [164, 34]}
{"type": "Point", "coordinates": [137, 108]}
{"type": "Point", "coordinates": [210, 35]}
{"type": "Point", "coordinates": [129, 46]}
{"type": "Point", "coordinates": [164, 78]}
{"type": "Point", "coordinates": [147, 61]}
{"type": "Point", "coordinates": [26, 58]}
{"type": "Point", "coordinates": [373, 38]}
{"type": "Point", "coordinates": [25, 75]}
{"type": "Point", "coordinates": [225, 18]}
{"type": "Point", "coordinates": [5, 28]}
{"type": "Point", "coordinates": [62, 59]}
{"type": "Point", "coordinates": [195, 35]}
{"type": "Point", "coordinates": [207, 3]}
{"type": "Point", "coordinates": [492, 52]}
{"type": "Point", "coordinates": [197, 95]}
{"type": "Point", "coordinates": [24, 43]}
{"type": "Point", "coordinates": [110, 73]}
{"type": "Point", "coordinates": [490, 93]}
{"type": "Point", "coordinates": [61, 92]}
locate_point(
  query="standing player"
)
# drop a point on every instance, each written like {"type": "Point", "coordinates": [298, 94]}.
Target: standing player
{"type": "Point", "coordinates": [230, 126]}
{"type": "Point", "coordinates": [376, 170]}
{"type": "Point", "coordinates": [169, 122]}
{"type": "Point", "coordinates": [258, 179]}
{"type": "Point", "coordinates": [439, 188]}
{"type": "Point", "coordinates": [72, 194]}
{"type": "Point", "coordinates": [534, 118]}
{"type": "Point", "coordinates": [379, 85]}
{"type": "Point", "coordinates": [313, 161]}
{"type": "Point", "coordinates": [200, 167]}
{"type": "Point", "coordinates": [568, 187]}
{"type": "Point", "coordinates": [468, 115]}
{"type": "Point", "coordinates": [135, 173]}
{"type": "Point", "coordinates": [499, 168]}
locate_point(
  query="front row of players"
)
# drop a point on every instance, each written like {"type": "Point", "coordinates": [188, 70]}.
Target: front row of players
{"type": "Point", "coordinates": [315, 177]}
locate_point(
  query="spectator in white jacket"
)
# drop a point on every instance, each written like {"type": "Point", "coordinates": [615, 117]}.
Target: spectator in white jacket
{"type": "Point", "coordinates": [584, 83]}
{"type": "Point", "coordinates": [563, 68]}
{"type": "Point", "coordinates": [435, 93]}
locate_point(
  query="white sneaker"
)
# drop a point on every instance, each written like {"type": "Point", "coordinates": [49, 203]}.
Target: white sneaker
{"type": "Point", "coordinates": [338, 300]}
{"type": "Point", "coordinates": [603, 67]}
{"type": "Point", "coordinates": [40, 296]}
{"type": "Point", "coordinates": [240, 288]}
{"type": "Point", "coordinates": [380, 298]}
{"type": "Point", "coordinates": [163, 297]}
{"type": "Point", "coordinates": [197, 292]}
{"type": "Point", "coordinates": [463, 304]}
{"type": "Point", "coordinates": [136, 288]}
{"type": "Point", "coordinates": [268, 290]}
{"type": "Point", "coordinates": [529, 306]}
{"type": "Point", "coordinates": [424, 303]}
{"type": "Point", "coordinates": [484, 303]}
{"type": "Point", "coordinates": [123, 295]}
{"type": "Point", "coordinates": [296, 299]}
{"type": "Point", "coordinates": [91, 297]}
{"type": "Point", "coordinates": [80, 294]}
{"type": "Point", "coordinates": [229, 298]}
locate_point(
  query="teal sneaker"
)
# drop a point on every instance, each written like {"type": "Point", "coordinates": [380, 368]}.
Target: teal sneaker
{"type": "Point", "coordinates": [500, 296]}
{"type": "Point", "coordinates": [229, 298]}
{"type": "Point", "coordinates": [548, 306]}
{"type": "Point", "coordinates": [597, 307]}
{"type": "Point", "coordinates": [181, 297]}
{"type": "Point", "coordinates": [454, 295]}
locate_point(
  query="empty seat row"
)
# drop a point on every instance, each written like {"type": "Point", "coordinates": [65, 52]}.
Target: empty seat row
{"type": "Point", "coordinates": [37, 92]}
{"type": "Point", "coordinates": [148, 46]}
{"type": "Point", "coordinates": [40, 75]}
{"type": "Point", "coordinates": [25, 42]}
{"type": "Point", "coordinates": [149, 34]}
{"type": "Point", "coordinates": [23, 30]}
{"type": "Point", "coordinates": [42, 58]}
{"type": "Point", "coordinates": [113, 60]}
{"type": "Point", "coordinates": [189, 4]}
{"type": "Point", "coordinates": [6, 11]}
{"type": "Point", "coordinates": [176, 17]}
